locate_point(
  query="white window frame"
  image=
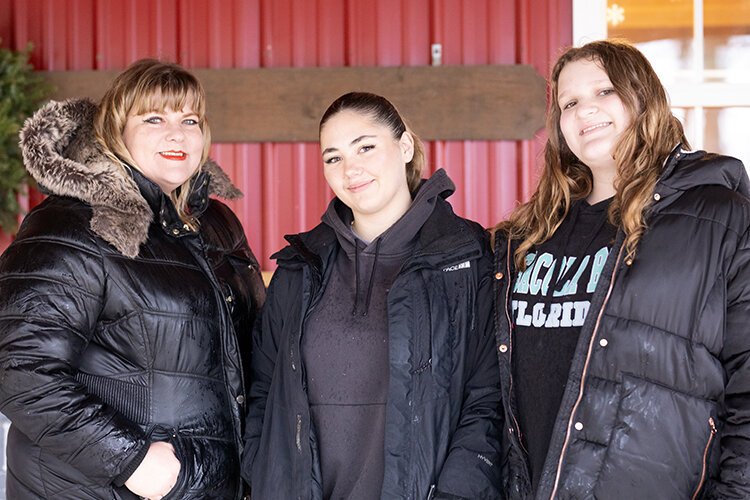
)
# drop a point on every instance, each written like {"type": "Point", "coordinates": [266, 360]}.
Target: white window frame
{"type": "Point", "coordinates": [692, 92]}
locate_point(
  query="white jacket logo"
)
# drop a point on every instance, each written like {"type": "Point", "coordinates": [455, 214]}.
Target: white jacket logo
{"type": "Point", "coordinates": [462, 265]}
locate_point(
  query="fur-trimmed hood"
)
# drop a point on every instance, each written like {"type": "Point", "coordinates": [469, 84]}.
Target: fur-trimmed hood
{"type": "Point", "coordinates": [61, 154]}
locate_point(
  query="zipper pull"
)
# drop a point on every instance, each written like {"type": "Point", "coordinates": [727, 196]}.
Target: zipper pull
{"type": "Point", "coordinates": [298, 437]}
{"type": "Point", "coordinates": [431, 492]}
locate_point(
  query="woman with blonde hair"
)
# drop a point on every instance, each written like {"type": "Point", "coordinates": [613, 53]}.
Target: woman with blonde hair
{"type": "Point", "coordinates": [124, 300]}
{"type": "Point", "coordinates": [623, 291]}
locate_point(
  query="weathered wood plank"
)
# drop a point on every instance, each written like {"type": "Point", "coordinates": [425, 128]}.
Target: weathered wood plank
{"type": "Point", "coordinates": [285, 104]}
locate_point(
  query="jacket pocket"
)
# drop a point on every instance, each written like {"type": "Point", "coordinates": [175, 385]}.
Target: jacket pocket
{"type": "Point", "coordinates": [655, 446]}
{"type": "Point", "coordinates": [186, 455]}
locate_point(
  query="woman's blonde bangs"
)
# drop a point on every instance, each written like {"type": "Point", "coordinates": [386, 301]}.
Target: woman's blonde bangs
{"type": "Point", "coordinates": [176, 94]}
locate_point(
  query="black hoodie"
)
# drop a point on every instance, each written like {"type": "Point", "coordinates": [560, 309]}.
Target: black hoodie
{"type": "Point", "coordinates": [345, 346]}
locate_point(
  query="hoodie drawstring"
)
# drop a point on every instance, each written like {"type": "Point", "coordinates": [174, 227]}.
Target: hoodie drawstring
{"type": "Point", "coordinates": [356, 277]}
{"type": "Point", "coordinates": [372, 277]}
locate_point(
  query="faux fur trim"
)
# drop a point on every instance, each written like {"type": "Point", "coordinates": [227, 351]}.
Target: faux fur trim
{"type": "Point", "coordinates": [61, 154]}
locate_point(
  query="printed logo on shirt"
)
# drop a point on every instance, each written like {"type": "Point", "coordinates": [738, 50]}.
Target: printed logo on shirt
{"type": "Point", "coordinates": [557, 292]}
{"type": "Point", "coordinates": [462, 265]}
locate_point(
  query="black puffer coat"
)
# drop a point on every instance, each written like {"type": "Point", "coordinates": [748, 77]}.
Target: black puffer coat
{"type": "Point", "coordinates": [657, 403]}
{"type": "Point", "coordinates": [118, 326]}
{"type": "Point", "coordinates": [442, 419]}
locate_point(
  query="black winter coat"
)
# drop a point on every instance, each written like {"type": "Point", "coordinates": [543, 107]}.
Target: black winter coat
{"type": "Point", "coordinates": [442, 418]}
{"type": "Point", "coordinates": [657, 403]}
{"type": "Point", "coordinates": [119, 326]}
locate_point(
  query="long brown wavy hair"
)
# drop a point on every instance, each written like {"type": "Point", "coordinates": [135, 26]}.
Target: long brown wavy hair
{"type": "Point", "coordinates": [640, 153]}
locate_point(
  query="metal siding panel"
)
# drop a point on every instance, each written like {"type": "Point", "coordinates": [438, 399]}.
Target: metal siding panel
{"type": "Point", "coordinates": [304, 34]}
{"type": "Point", "coordinates": [28, 15]}
{"type": "Point", "coordinates": [251, 209]}
{"type": "Point", "coordinates": [475, 158]}
{"type": "Point", "coordinates": [450, 156]}
{"type": "Point", "coordinates": [415, 32]}
{"type": "Point", "coordinates": [221, 35]}
{"type": "Point", "coordinates": [139, 38]}
{"type": "Point", "coordinates": [248, 165]}
{"type": "Point", "coordinates": [361, 24]}
{"type": "Point", "coordinates": [165, 39]}
{"type": "Point", "coordinates": [504, 163]}
{"type": "Point", "coordinates": [476, 199]}
{"type": "Point", "coordinates": [314, 192]}
{"type": "Point", "coordinates": [388, 21]}
{"type": "Point", "coordinates": [503, 172]}
{"type": "Point", "coordinates": [220, 51]}
{"type": "Point", "coordinates": [331, 43]}
{"type": "Point", "coordinates": [501, 21]}
{"type": "Point", "coordinates": [110, 35]}
{"type": "Point", "coordinates": [81, 38]}
{"type": "Point", "coordinates": [193, 33]}
{"type": "Point", "coordinates": [277, 33]}
{"type": "Point", "coordinates": [474, 29]}
{"type": "Point", "coordinates": [280, 184]}
{"type": "Point", "coordinates": [452, 24]}
{"type": "Point", "coordinates": [247, 33]}
{"type": "Point", "coordinates": [132, 30]}
{"type": "Point", "coordinates": [449, 23]}
{"type": "Point", "coordinates": [54, 35]}
{"type": "Point", "coordinates": [280, 194]}
{"type": "Point", "coordinates": [541, 36]}
{"type": "Point", "coordinates": [6, 28]}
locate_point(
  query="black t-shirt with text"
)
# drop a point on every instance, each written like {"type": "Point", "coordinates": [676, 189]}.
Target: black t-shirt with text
{"type": "Point", "coordinates": [550, 301]}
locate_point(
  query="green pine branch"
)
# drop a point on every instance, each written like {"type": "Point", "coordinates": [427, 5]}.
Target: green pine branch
{"type": "Point", "coordinates": [21, 93]}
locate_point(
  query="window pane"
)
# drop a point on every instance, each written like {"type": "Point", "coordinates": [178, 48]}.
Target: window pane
{"type": "Point", "coordinates": [661, 29]}
{"type": "Point", "coordinates": [727, 36]}
{"type": "Point", "coordinates": [726, 132]}
{"type": "Point", "coordinates": [687, 117]}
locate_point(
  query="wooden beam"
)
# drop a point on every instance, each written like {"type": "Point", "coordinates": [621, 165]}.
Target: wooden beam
{"type": "Point", "coordinates": [285, 104]}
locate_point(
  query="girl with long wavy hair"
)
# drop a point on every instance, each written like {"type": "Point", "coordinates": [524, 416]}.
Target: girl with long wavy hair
{"type": "Point", "coordinates": [623, 289]}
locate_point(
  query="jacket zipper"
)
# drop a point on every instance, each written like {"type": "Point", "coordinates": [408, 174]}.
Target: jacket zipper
{"type": "Point", "coordinates": [516, 426]}
{"type": "Point", "coordinates": [226, 330]}
{"type": "Point", "coordinates": [712, 425]}
{"type": "Point", "coordinates": [584, 374]}
{"type": "Point", "coordinates": [298, 436]}
{"type": "Point", "coordinates": [314, 298]}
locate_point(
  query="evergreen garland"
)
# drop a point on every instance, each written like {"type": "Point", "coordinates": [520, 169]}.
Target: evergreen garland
{"type": "Point", "coordinates": [21, 93]}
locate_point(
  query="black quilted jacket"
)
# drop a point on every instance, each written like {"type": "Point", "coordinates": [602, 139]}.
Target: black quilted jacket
{"type": "Point", "coordinates": [657, 403]}
{"type": "Point", "coordinates": [119, 326]}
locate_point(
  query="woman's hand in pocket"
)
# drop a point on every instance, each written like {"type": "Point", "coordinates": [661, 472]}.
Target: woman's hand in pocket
{"type": "Point", "coordinates": [157, 473]}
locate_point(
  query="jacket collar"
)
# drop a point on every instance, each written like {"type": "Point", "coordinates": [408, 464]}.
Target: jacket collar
{"type": "Point", "coordinates": [443, 239]}
{"type": "Point", "coordinates": [685, 169]}
{"type": "Point", "coordinates": [163, 208]}
{"type": "Point", "coordinates": [61, 154]}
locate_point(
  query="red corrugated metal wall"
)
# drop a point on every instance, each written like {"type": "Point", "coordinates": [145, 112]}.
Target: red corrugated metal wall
{"type": "Point", "coordinates": [283, 183]}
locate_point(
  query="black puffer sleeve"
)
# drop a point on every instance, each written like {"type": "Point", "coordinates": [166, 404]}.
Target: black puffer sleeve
{"type": "Point", "coordinates": [52, 284]}
{"type": "Point", "coordinates": [472, 468]}
{"type": "Point", "coordinates": [734, 474]}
